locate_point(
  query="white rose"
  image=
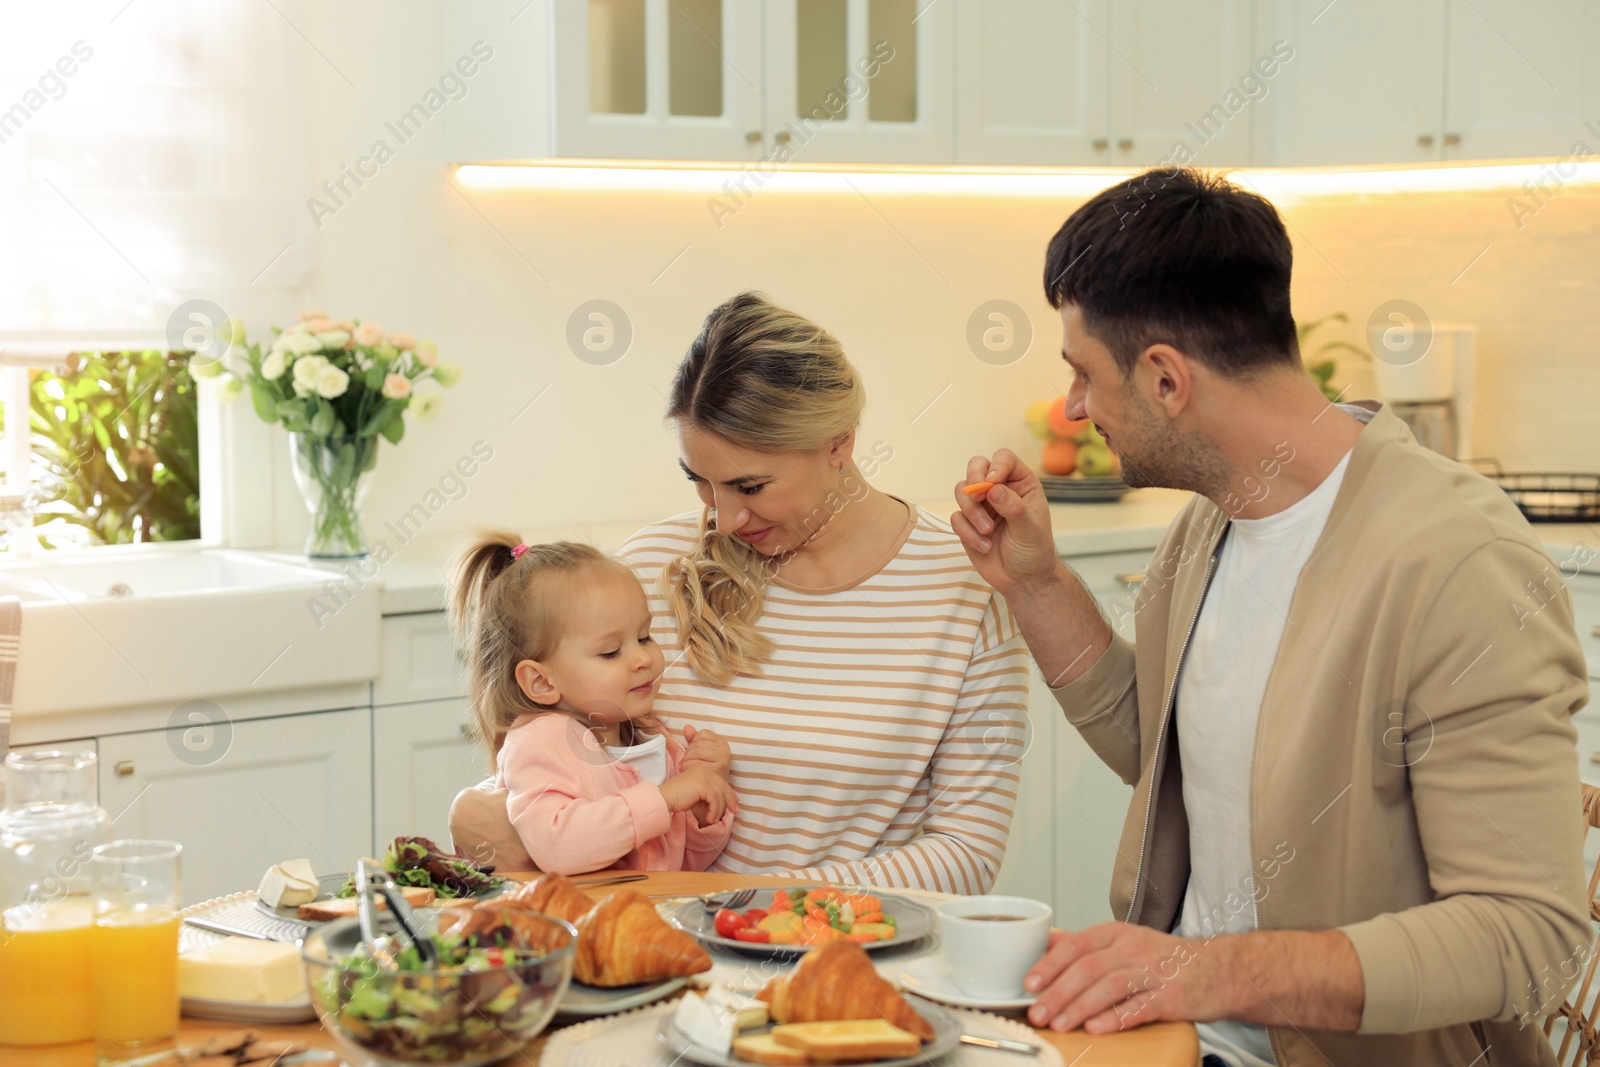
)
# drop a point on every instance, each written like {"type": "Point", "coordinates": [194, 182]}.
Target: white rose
{"type": "Point", "coordinates": [331, 382]}
{"type": "Point", "coordinates": [230, 390]}
{"type": "Point", "coordinates": [307, 368]}
{"type": "Point", "coordinates": [302, 344]}
{"type": "Point", "coordinates": [426, 405]}
{"type": "Point", "coordinates": [335, 338]}
{"type": "Point", "coordinates": [274, 365]}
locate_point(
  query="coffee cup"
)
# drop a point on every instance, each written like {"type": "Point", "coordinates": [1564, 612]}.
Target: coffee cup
{"type": "Point", "coordinates": [991, 942]}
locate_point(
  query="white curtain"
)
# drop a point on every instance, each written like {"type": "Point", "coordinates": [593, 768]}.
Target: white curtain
{"type": "Point", "coordinates": [151, 152]}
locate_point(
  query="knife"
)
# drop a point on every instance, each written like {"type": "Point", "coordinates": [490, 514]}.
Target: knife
{"type": "Point", "coordinates": [1000, 1043]}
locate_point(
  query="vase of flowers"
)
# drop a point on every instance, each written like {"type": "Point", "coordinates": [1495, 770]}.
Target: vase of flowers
{"type": "Point", "coordinates": [337, 386]}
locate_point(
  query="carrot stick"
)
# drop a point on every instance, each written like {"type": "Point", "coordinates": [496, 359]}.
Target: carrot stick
{"type": "Point", "coordinates": [977, 487]}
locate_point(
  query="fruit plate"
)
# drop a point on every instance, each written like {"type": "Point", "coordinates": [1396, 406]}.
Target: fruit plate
{"type": "Point", "coordinates": [586, 1001]}
{"type": "Point", "coordinates": [1084, 490]}
{"type": "Point", "coordinates": [946, 1036]}
{"type": "Point", "coordinates": [913, 922]}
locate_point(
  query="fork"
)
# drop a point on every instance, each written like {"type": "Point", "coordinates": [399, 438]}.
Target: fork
{"type": "Point", "coordinates": [737, 898]}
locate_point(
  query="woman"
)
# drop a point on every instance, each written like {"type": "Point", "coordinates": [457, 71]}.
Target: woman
{"type": "Point", "coordinates": [870, 685]}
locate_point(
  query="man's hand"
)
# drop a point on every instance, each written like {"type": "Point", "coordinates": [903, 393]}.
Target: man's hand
{"type": "Point", "coordinates": [708, 748]}
{"type": "Point", "coordinates": [1113, 976]}
{"type": "Point", "coordinates": [1005, 529]}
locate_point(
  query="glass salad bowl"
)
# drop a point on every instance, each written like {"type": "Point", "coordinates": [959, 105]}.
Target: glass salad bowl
{"type": "Point", "coordinates": [487, 996]}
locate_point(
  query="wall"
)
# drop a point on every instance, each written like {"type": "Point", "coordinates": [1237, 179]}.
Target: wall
{"type": "Point", "coordinates": [493, 277]}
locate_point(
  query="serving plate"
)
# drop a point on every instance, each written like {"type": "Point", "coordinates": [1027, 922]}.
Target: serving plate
{"type": "Point", "coordinates": [586, 1001]}
{"type": "Point", "coordinates": [946, 1036]}
{"type": "Point", "coordinates": [1084, 490]}
{"type": "Point", "coordinates": [328, 886]}
{"type": "Point", "coordinates": [913, 922]}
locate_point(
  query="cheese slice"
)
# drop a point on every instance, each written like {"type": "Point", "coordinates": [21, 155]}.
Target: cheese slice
{"type": "Point", "coordinates": [289, 884]}
{"type": "Point", "coordinates": [747, 1012]}
{"type": "Point", "coordinates": [704, 1026]}
{"type": "Point", "coordinates": [242, 969]}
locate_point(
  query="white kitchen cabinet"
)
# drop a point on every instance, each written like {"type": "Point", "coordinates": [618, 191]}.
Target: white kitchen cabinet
{"type": "Point", "coordinates": [1184, 73]}
{"type": "Point", "coordinates": [1366, 84]}
{"type": "Point", "coordinates": [422, 756]}
{"type": "Point", "coordinates": [1520, 81]}
{"type": "Point", "coordinates": [860, 81]}
{"type": "Point", "coordinates": [1034, 82]}
{"type": "Point", "coordinates": [657, 79]}
{"type": "Point", "coordinates": [1029, 867]}
{"type": "Point", "coordinates": [417, 660]}
{"type": "Point", "coordinates": [247, 795]}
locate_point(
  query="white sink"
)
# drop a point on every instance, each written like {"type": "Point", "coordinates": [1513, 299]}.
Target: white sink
{"type": "Point", "coordinates": [119, 629]}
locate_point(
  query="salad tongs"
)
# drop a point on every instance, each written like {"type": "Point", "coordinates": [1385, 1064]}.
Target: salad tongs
{"type": "Point", "coordinates": [373, 880]}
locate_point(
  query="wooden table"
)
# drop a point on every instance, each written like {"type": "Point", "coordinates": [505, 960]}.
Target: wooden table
{"type": "Point", "coordinates": [1157, 1045]}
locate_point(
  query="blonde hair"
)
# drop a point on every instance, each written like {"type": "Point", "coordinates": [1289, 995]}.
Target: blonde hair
{"type": "Point", "coordinates": [768, 380]}
{"type": "Point", "coordinates": [505, 608]}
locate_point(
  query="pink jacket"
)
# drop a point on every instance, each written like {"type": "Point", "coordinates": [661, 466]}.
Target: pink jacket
{"type": "Point", "coordinates": [578, 809]}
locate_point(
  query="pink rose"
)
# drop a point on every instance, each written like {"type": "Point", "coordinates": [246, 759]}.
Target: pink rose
{"type": "Point", "coordinates": [402, 340]}
{"type": "Point", "coordinates": [369, 334]}
{"type": "Point", "coordinates": [396, 386]}
{"type": "Point", "coordinates": [326, 326]}
{"type": "Point", "coordinates": [312, 316]}
{"type": "Point", "coordinates": [427, 354]}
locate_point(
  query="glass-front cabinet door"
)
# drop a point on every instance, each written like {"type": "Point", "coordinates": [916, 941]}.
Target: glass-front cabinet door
{"type": "Point", "coordinates": [860, 81]}
{"type": "Point", "coordinates": [658, 79]}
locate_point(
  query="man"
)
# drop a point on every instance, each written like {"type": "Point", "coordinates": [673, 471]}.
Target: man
{"type": "Point", "coordinates": [1354, 837]}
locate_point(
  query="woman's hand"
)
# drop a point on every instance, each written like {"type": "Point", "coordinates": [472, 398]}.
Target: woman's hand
{"type": "Point", "coordinates": [1005, 529]}
{"type": "Point", "coordinates": [685, 790]}
{"type": "Point", "coordinates": [706, 747]}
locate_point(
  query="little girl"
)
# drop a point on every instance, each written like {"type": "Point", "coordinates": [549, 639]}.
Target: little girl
{"type": "Point", "coordinates": [562, 673]}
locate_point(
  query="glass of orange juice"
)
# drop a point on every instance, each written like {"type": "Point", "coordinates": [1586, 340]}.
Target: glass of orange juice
{"type": "Point", "coordinates": [133, 947]}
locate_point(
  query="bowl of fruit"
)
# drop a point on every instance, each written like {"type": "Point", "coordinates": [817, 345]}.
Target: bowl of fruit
{"type": "Point", "coordinates": [1076, 464]}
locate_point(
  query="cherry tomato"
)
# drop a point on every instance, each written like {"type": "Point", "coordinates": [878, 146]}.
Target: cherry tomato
{"type": "Point", "coordinates": [496, 956]}
{"type": "Point", "coordinates": [754, 915]}
{"type": "Point", "coordinates": [728, 922]}
{"type": "Point", "coordinates": [753, 933]}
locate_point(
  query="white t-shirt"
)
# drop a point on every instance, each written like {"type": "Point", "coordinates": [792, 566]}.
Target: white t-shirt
{"type": "Point", "coordinates": [648, 757]}
{"type": "Point", "coordinates": [1224, 677]}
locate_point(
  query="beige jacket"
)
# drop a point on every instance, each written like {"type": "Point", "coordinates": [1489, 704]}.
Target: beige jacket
{"type": "Point", "coordinates": [1415, 781]}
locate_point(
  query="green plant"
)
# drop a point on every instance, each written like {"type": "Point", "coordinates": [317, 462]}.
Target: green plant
{"type": "Point", "coordinates": [117, 435]}
{"type": "Point", "coordinates": [1322, 369]}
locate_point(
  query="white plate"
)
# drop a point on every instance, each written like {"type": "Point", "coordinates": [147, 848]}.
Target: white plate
{"type": "Point", "coordinates": [239, 1011]}
{"type": "Point", "coordinates": [946, 1036]}
{"type": "Point", "coordinates": [913, 922]}
{"type": "Point", "coordinates": [328, 889]}
{"type": "Point", "coordinates": [586, 1001]}
{"type": "Point", "coordinates": [929, 977]}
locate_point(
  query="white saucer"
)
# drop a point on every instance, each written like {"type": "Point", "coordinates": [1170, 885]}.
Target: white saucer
{"type": "Point", "coordinates": [929, 977]}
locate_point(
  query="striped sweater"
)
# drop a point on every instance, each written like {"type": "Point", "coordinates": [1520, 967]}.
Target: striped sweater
{"type": "Point", "coordinates": [882, 743]}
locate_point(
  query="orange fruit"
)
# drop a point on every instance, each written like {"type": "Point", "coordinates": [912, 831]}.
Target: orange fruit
{"type": "Point", "coordinates": [1059, 457]}
{"type": "Point", "coordinates": [1060, 425]}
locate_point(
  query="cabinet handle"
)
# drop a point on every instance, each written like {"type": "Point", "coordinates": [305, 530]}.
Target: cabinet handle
{"type": "Point", "coordinates": [1125, 143]}
{"type": "Point", "coordinates": [782, 137]}
{"type": "Point", "coordinates": [123, 768]}
{"type": "Point", "coordinates": [1131, 581]}
{"type": "Point", "coordinates": [753, 137]}
{"type": "Point", "coordinates": [1424, 140]}
{"type": "Point", "coordinates": [1452, 139]}
{"type": "Point", "coordinates": [1100, 144]}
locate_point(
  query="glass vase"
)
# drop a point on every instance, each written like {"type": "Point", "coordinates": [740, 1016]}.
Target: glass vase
{"type": "Point", "coordinates": [334, 473]}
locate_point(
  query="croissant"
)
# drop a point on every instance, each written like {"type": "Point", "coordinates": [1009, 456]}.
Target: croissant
{"type": "Point", "coordinates": [553, 894]}
{"type": "Point", "coordinates": [622, 941]}
{"type": "Point", "coordinates": [837, 981]}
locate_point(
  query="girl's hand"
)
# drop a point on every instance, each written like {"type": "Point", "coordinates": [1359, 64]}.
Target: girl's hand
{"type": "Point", "coordinates": [1005, 529]}
{"type": "Point", "coordinates": [684, 790]}
{"type": "Point", "coordinates": [708, 748]}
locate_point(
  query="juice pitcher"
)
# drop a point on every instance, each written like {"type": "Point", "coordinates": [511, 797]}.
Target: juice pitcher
{"type": "Point", "coordinates": [51, 825]}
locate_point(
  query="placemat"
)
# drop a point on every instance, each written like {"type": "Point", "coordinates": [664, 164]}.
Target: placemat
{"type": "Point", "coordinates": [629, 1040]}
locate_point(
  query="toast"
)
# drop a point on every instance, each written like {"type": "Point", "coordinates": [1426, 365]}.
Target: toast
{"type": "Point", "coordinates": [847, 1041]}
{"type": "Point", "coordinates": [763, 1049]}
{"type": "Point", "coordinates": [342, 907]}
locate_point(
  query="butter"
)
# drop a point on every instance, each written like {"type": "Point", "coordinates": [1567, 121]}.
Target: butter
{"type": "Point", "coordinates": [289, 884]}
{"type": "Point", "coordinates": [242, 969]}
{"type": "Point", "coordinates": [704, 1026]}
{"type": "Point", "coordinates": [747, 1012]}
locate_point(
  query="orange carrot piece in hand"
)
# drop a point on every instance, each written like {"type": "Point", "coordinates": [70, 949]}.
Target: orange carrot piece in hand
{"type": "Point", "coordinates": [977, 487]}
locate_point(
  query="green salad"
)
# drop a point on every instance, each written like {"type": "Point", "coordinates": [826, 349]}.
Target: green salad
{"type": "Point", "coordinates": [417, 861]}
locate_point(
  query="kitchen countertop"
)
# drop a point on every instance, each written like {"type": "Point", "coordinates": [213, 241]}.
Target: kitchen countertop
{"type": "Point", "coordinates": [413, 577]}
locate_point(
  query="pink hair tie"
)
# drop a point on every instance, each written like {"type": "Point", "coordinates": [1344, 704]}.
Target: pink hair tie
{"type": "Point", "coordinates": [516, 553]}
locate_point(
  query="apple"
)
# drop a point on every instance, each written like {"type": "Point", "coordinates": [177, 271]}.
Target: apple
{"type": "Point", "coordinates": [1038, 420]}
{"type": "Point", "coordinates": [1095, 459]}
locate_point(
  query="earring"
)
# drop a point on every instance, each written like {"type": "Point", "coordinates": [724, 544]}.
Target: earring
{"type": "Point", "coordinates": [841, 468]}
